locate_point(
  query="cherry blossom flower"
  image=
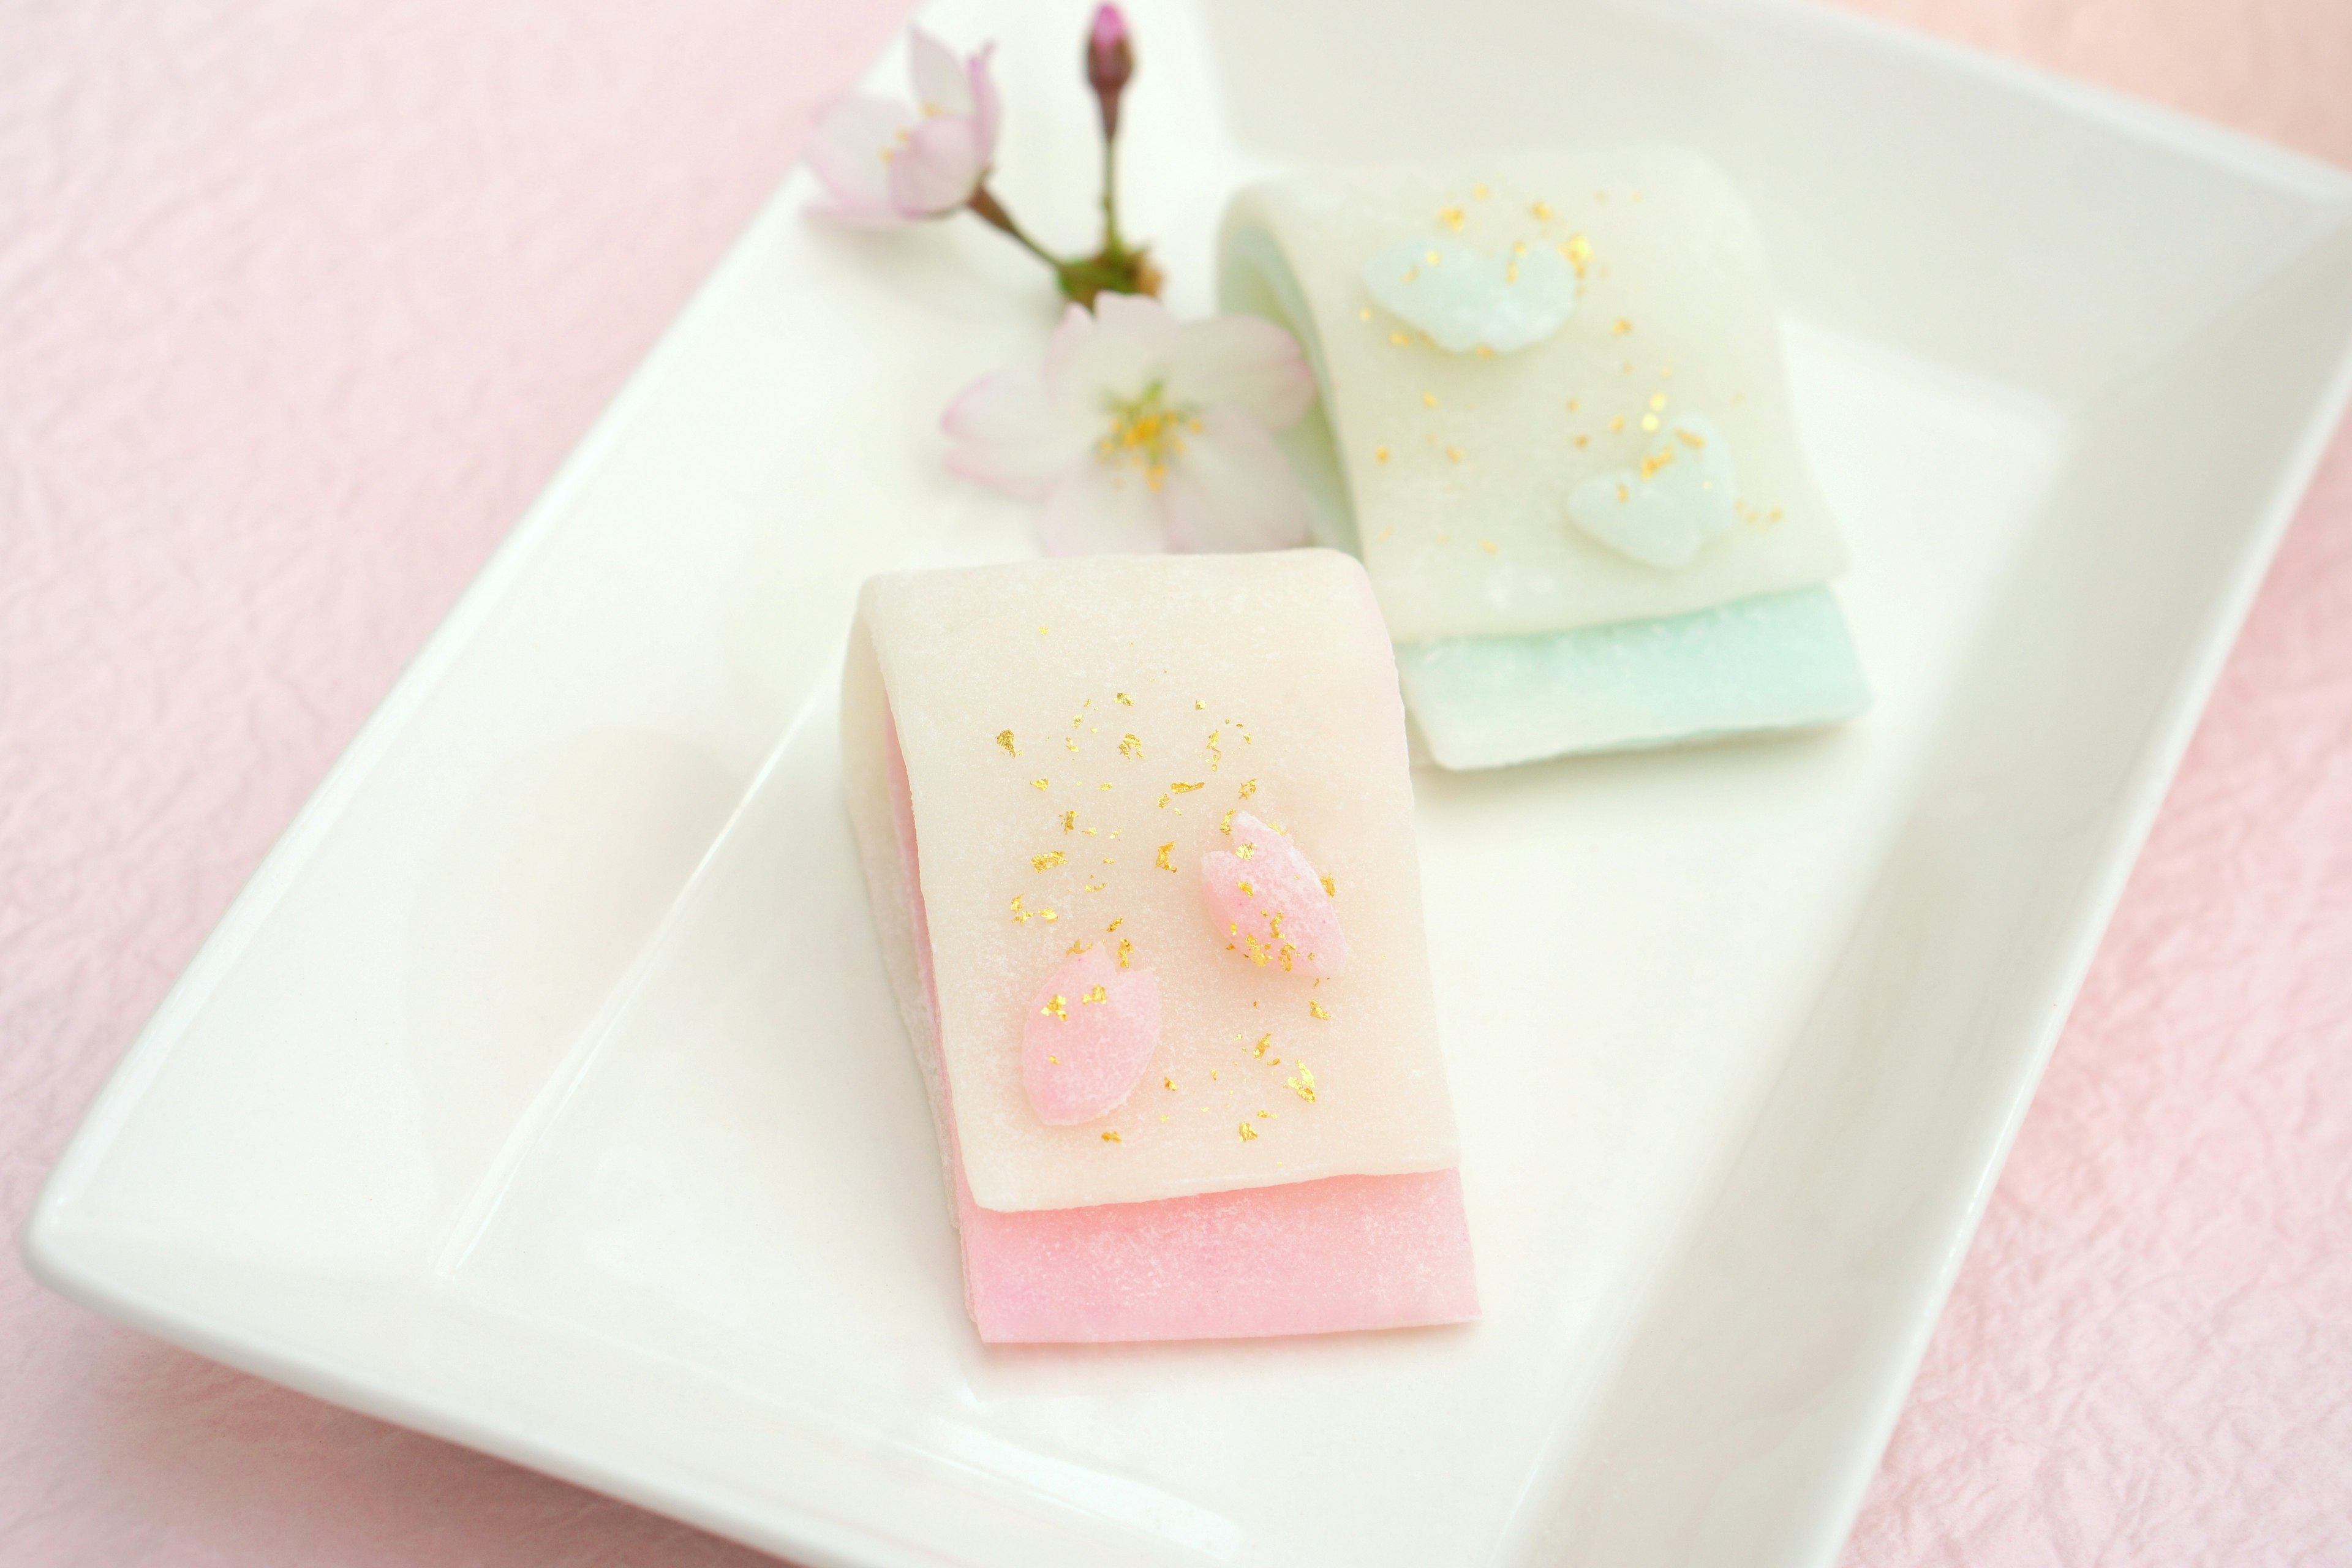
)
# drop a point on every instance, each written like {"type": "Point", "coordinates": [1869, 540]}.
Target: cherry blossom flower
{"type": "Point", "coordinates": [1141, 432]}
{"type": "Point", "coordinates": [884, 162]}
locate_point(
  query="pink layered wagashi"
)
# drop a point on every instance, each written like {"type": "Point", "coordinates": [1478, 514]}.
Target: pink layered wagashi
{"type": "Point", "coordinates": [1137, 833]}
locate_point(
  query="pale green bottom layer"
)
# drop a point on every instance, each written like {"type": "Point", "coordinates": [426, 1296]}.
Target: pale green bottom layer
{"type": "Point", "coordinates": [1775, 661]}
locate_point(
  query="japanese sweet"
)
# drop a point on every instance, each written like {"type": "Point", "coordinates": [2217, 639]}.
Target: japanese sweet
{"type": "Point", "coordinates": [1138, 836]}
{"type": "Point", "coordinates": [1556, 427]}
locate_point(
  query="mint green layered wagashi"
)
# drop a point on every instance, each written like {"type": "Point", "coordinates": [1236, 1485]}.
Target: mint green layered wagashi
{"type": "Point", "coordinates": [1555, 424]}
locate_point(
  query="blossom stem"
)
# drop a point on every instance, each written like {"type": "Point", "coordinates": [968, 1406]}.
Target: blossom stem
{"type": "Point", "coordinates": [1113, 246]}
{"type": "Point", "coordinates": [985, 203]}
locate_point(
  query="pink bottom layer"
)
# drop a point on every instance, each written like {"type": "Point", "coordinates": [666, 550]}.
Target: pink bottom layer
{"type": "Point", "coordinates": [1310, 1258]}
{"type": "Point", "coordinates": [1307, 1257]}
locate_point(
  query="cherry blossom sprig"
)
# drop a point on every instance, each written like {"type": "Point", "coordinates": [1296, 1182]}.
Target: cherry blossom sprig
{"type": "Point", "coordinates": [1140, 433]}
{"type": "Point", "coordinates": [884, 162]}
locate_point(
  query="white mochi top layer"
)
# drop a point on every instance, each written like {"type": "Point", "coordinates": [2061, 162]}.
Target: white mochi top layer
{"type": "Point", "coordinates": [1460, 467]}
{"type": "Point", "coordinates": [1266, 682]}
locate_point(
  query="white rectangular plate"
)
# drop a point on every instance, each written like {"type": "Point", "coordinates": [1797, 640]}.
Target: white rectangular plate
{"type": "Point", "coordinates": [543, 1090]}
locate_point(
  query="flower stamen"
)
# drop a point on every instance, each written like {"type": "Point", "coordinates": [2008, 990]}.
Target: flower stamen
{"type": "Point", "coordinates": [1147, 435]}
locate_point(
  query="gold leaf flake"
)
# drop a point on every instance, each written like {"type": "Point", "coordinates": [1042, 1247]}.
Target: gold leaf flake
{"type": "Point", "coordinates": [1187, 788]}
{"type": "Point", "coordinates": [1303, 1085]}
{"type": "Point", "coordinates": [1069, 821]}
{"type": "Point", "coordinates": [1621, 326]}
{"type": "Point", "coordinates": [1330, 888]}
{"type": "Point", "coordinates": [1096, 995]}
{"type": "Point", "coordinates": [1048, 916]}
{"type": "Point", "coordinates": [1057, 1008]}
{"type": "Point", "coordinates": [1048, 860]}
{"type": "Point", "coordinates": [1004, 739]}
{"type": "Point", "coordinates": [1020, 915]}
{"type": "Point", "coordinates": [1197, 703]}
{"type": "Point", "coordinates": [1125, 699]}
{"type": "Point", "coordinates": [1112, 1137]}
{"type": "Point", "coordinates": [1317, 1008]}
{"type": "Point", "coordinates": [1126, 952]}
{"type": "Point", "coordinates": [1226, 827]}
{"type": "Point", "coordinates": [1162, 862]}
{"type": "Point", "coordinates": [1168, 1083]}
{"type": "Point", "coordinates": [1249, 1133]}
{"type": "Point", "coordinates": [1129, 746]}
{"type": "Point", "coordinates": [1244, 851]}
{"type": "Point", "coordinates": [1116, 924]}
{"type": "Point", "coordinates": [1037, 783]}
{"type": "Point", "coordinates": [1249, 788]}
{"type": "Point", "coordinates": [1264, 1041]}
{"type": "Point", "coordinates": [1248, 891]}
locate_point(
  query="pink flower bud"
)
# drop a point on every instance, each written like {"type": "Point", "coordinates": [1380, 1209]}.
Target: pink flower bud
{"type": "Point", "coordinates": [1110, 63]}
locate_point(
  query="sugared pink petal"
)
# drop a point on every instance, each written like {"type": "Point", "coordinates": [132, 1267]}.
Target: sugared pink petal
{"type": "Point", "coordinates": [1089, 1035]}
{"type": "Point", "coordinates": [1269, 902]}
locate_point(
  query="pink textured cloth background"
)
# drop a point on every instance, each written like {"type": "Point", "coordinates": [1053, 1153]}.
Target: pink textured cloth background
{"type": "Point", "coordinates": [300, 305]}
